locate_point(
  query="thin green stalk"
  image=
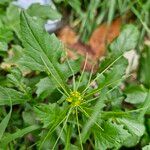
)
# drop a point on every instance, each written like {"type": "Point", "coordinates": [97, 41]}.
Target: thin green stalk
{"type": "Point", "coordinates": [49, 72]}
{"type": "Point", "coordinates": [87, 115]}
{"type": "Point", "coordinates": [85, 102]}
{"type": "Point", "coordinates": [62, 127]}
{"type": "Point", "coordinates": [51, 130]}
{"type": "Point", "coordinates": [82, 71]}
{"type": "Point", "coordinates": [103, 71]}
{"type": "Point", "coordinates": [91, 73]}
{"type": "Point", "coordinates": [99, 89]}
{"type": "Point", "coordinates": [79, 128]}
{"type": "Point", "coordinates": [74, 82]}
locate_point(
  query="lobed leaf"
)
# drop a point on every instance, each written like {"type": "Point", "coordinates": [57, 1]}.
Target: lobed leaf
{"type": "Point", "coordinates": [112, 136]}
{"type": "Point", "coordinates": [43, 52]}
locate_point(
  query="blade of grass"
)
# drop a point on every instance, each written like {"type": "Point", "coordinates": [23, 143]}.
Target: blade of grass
{"type": "Point", "coordinates": [139, 17]}
{"type": "Point", "coordinates": [6, 140]}
{"type": "Point", "coordinates": [4, 123]}
{"type": "Point", "coordinates": [111, 11]}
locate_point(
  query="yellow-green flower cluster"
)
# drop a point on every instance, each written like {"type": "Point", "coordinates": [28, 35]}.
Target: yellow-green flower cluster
{"type": "Point", "coordinates": [75, 98]}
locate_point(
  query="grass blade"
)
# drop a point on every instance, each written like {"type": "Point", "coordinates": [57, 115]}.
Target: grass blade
{"type": "Point", "coordinates": [62, 128]}
{"type": "Point", "coordinates": [6, 140]}
{"type": "Point", "coordinates": [79, 129]}
{"type": "Point", "coordinates": [4, 123]}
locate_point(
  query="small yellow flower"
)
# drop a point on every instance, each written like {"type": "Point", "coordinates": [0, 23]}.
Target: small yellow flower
{"type": "Point", "coordinates": [75, 98]}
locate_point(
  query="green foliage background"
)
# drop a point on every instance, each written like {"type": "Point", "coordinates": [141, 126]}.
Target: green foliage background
{"type": "Point", "coordinates": [48, 102]}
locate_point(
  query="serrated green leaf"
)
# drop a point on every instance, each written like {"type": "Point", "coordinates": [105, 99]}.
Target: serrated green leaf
{"type": "Point", "coordinates": [43, 11]}
{"type": "Point", "coordinates": [43, 52]}
{"type": "Point", "coordinates": [15, 76]}
{"type": "Point", "coordinates": [115, 98]}
{"type": "Point", "coordinates": [17, 97]}
{"type": "Point", "coordinates": [134, 127]}
{"type": "Point", "coordinates": [112, 136]}
{"type": "Point", "coordinates": [126, 41]}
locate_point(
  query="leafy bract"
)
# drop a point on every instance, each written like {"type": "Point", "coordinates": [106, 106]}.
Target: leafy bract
{"type": "Point", "coordinates": [43, 52]}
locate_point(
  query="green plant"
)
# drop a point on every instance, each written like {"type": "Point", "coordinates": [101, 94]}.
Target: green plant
{"type": "Point", "coordinates": [72, 109]}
